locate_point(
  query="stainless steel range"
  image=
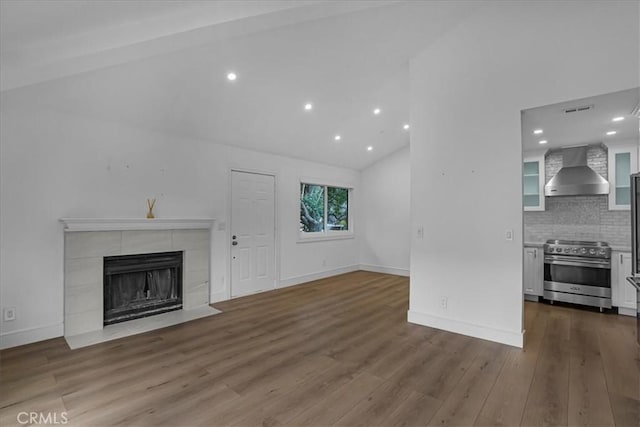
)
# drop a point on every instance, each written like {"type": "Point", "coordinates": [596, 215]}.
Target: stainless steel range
{"type": "Point", "coordinates": [578, 272]}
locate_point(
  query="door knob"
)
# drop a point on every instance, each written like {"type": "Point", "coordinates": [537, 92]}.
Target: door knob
{"type": "Point", "coordinates": [234, 243]}
{"type": "Point", "coordinates": [233, 237]}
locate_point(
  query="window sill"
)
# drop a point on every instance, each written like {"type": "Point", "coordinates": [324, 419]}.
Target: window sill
{"type": "Point", "coordinates": [324, 237]}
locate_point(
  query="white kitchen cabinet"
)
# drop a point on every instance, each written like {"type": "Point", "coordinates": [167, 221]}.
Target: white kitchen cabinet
{"type": "Point", "coordinates": [623, 161]}
{"type": "Point", "coordinates": [533, 271]}
{"type": "Point", "coordinates": [623, 294]}
{"type": "Point", "coordinates": [533, 183]}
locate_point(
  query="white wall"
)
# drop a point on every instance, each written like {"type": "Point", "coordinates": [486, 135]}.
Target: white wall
{"type": "Point", "coordinates": [467, 92]}
{"type": "Point", "coordinates": [384, 229]}
{"type": "Point", "coordinates": [55, 165]}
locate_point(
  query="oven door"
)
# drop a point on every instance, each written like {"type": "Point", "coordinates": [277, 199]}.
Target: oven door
{"type": "Point", "coordinates": [577, 275]}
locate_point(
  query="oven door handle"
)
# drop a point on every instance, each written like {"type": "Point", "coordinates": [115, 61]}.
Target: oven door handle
{"type": "Point", "coordinates": [573, 263]}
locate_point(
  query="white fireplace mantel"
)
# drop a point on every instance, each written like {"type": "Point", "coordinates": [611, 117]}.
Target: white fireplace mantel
{"type": "Point", "coordinates": [120, 224]}
{"type": "Point", "coordinates": [87, 241]}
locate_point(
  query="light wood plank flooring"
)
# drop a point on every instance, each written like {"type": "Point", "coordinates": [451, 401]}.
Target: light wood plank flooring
{"type": "Point", "coordinates": [335, 352]}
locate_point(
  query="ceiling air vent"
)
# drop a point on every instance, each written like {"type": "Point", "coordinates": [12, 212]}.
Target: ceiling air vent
{"type": "Point", "coordinates": [578, 109]}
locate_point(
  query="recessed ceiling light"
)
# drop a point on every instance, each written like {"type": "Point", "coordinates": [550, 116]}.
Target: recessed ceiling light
{"type": "Point", "coordinates": [376, 111]}
{"type": "Point", "coordinates": [405, 127]}
{"type": "Point", "coordinates": [618, 119]}
{"type": "Point", "coordinates": [611, 132]}
{"type": "Point", "coordinates": [232, 76]}
{"type": "Point", "coordinates": [369, 148]}
{"type": "Point", "coordinates": [337, 137]}
{"type": "Point", "coordinates": [537, 131]}
{"type": "Point", "coordinates": [308, 106]}
{"type": "Point", "coordinates": [543, 141]}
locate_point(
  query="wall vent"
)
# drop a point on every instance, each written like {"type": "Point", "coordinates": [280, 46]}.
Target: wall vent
{"type": "Point", "coordinates": [636, 111]}
{"type": "Point", "coordinates": [578, 109]}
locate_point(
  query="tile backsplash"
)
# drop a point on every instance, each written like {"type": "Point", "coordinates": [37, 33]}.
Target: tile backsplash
{"type": "Point", "coordinates": [578, 217]}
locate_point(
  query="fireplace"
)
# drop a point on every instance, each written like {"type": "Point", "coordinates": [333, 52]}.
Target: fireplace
{"type": "Point", "coordinates": [141, 285]}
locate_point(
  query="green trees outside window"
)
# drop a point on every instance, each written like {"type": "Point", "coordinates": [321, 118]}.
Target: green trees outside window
{"type": "Point", "coordinates": [311, 208]}
{"type": "Point", "coordinates": [338, 208]}
{"type": "Point", "coordinates": [323, 208]}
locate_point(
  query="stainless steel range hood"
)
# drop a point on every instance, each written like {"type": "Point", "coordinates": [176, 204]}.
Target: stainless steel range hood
{"type": "Point", "coordinates": [576, 178]}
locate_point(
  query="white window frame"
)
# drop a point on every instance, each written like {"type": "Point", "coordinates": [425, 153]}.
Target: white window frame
{"type": "Point", "coordinates": [314, 236]}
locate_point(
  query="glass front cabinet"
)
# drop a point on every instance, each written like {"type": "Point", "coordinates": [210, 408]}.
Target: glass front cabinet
{"type": "Point", "coordinates": [533, 183]}
{"type": "Point", "coordinates": [623, 161]}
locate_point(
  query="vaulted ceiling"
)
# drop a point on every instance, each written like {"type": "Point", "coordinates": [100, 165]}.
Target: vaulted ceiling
{"type": "Point", "coordinates": [163, 65]}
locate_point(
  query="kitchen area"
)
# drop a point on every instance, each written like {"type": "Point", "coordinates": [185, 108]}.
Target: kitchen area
{"type": "Point", "coordinates": [578, 159]}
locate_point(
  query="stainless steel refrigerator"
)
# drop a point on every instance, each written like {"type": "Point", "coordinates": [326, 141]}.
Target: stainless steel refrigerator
{"type": "Point", "coordinates": [635, 245]}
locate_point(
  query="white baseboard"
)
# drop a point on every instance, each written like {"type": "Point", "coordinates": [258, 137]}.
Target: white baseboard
{"type": "Point", "coordinates": [30, 335]}
{"type": "Point", "coordinates": [317, 276]}
{"type": "Point", "coordinates": [515, 339]}
{"type": "Point", "coordinates": [223, 295]}
{"type": "Point", "coordinates": [387, 270]}
{"type": "Point", "coordinates": [627, 311]}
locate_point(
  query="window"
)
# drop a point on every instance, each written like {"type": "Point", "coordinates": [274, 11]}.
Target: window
{"type": "Point", "coordinates": [324, 209]}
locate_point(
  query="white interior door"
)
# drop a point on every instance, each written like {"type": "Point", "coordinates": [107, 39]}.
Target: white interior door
{"type": "Point", "coordinates": [252, 233]}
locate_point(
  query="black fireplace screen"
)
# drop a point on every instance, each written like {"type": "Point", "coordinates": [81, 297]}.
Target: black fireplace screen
{"type": "Point", "coordinates": [141, 285]}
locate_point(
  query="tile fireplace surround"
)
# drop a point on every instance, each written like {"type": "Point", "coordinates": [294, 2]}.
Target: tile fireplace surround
{"type": "Point", "coordinates": [88, 241]}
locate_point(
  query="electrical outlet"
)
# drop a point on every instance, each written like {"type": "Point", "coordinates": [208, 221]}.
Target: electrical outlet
{"type": "Point", "coordinates": [443, 303]}
{"type": "Point", "coordinates": [420, 232]}
{"type": "Point", "coordinates": [9, 314]}
{"type": "Point", "coordinates": [324, 262]}
{"type": "Point", "coordinates": [508, 235]}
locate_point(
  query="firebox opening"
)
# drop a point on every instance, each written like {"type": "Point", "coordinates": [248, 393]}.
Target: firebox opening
{"type": "Point", "coordinates": [141, 285]}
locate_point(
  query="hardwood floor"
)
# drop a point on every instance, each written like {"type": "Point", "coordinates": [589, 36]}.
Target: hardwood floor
{"type": "Point", "coordinates": [335, 352]}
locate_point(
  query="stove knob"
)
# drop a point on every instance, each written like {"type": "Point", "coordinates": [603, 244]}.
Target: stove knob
{"type": "Point", "coordinates": [583, 251]}
{"type": "Point", "coordinates": [566, 250]}
{"type": "Point", "coordinates": [602, 252]}
{"type": "Point", "coordinates": [592, 251]}
{"type": "Point", "coordinates": [558, 249]}
{"type": "Point", "coordinates": [574, 250]}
